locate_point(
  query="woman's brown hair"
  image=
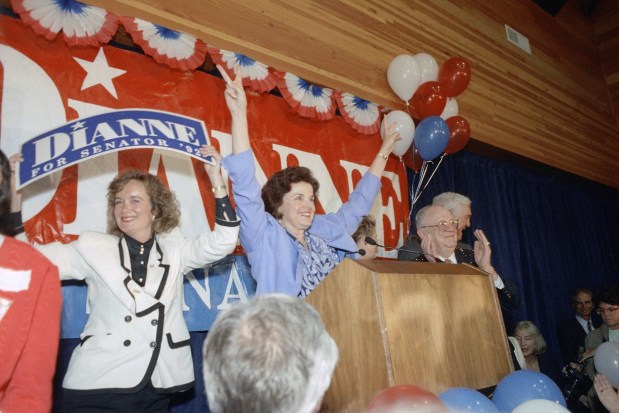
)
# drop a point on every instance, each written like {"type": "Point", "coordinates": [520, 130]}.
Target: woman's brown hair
{"type": "Point", "coordinates": [280, 183]}
{"type": "Point", "coordinates": [164, 204]}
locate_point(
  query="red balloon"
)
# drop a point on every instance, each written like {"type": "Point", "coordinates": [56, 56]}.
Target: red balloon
{"type": "Point", "coordinates": [406, 398]}
{"type": "Point", "coordinates": [454, 75]}
{"type": "Point", "coordinates": [412, 159]}
{"type": "Point", "coordinates": [428, 100]}
{"type": "Point", "coordinates": [459, 134]}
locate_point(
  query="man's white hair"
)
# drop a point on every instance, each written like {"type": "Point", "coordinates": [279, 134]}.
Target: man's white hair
{"type": "Point", "coordinates": [451, 200]}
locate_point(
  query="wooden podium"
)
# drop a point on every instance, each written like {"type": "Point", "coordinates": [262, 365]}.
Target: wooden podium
{"type": "Point", "coordinates": [436, 326]}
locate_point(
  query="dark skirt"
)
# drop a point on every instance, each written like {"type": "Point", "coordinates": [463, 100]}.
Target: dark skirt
{"type": "Point", "coordinates": [143, 401]}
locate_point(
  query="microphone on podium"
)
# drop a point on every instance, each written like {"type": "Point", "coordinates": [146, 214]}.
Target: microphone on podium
{"type": "Point", "coordinates": [372, 241]}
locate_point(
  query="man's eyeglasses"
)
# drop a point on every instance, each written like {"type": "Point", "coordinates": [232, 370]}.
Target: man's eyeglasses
{"type": "Point", "coordinates": [444, 224]}
{"type": "Point", "coordinates": [607, 310]}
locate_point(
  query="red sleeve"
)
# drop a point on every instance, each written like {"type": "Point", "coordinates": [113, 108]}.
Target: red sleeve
{"type": "Point", "coordinates": [30, 387]}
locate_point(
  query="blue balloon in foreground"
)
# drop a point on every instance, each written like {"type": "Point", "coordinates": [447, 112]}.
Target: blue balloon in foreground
{"type": "Point", "coordinates": [462, 400]}
{"type": "Point", "coordinates": [431, 137]}
{"type": "Point", "coordinates": [524, 385]}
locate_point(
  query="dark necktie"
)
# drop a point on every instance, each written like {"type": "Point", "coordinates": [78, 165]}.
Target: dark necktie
{"type": "Point", "coordinates": [589, 326]}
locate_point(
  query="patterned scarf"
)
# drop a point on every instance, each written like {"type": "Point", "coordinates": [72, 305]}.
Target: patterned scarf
{"type": "Point", "coordinates": [316, 261]}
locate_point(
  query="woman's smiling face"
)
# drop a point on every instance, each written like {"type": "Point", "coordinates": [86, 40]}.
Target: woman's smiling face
{"type": "Point", "coordinates": [298, 207]}
{"type": "Point", "coordinates": [133, 211]}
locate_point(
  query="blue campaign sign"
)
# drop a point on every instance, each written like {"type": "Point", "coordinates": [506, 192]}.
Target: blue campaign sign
{"type": "Point", "coordinates": [228, 280]}
{"type": "Point", "coordinates": [113, 131]}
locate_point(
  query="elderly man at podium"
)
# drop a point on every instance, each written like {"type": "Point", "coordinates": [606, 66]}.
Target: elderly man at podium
{"type": "Point", "coordinates": [438, 231]}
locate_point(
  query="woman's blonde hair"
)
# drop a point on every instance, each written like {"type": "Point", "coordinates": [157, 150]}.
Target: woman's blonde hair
{"type": "Point", "coordinates": [539, 344]}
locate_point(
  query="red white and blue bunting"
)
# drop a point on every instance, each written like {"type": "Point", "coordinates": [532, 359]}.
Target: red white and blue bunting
{"type": "Point", "coordinates": [80, 24]}
{"type": "Point", "coordinates": [363, 115]}
{"type": "Point", "coordinates": [307, 99]}
{"type": "Point", "coordinates": [84, 25]}
{"type": "Point", "coordinates": [170, 47]}
{"type": "Point", "coordinates": [257, 76]}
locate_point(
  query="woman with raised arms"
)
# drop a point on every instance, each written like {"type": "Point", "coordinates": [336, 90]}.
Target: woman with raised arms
{"type": "Point", "coordinates": [290, 248]}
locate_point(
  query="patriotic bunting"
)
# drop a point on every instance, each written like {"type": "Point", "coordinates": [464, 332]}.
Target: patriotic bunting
{"type": "Point", "coordinates": [308, 100]}
{"type": "Point", "coordinates": [170, 47]}
{"type": "Point", "coordinates": [257, 76]}
{"type": "Point", "coordinates": [362, 115]}
{"type": "Point", "coordinates": [81, 24]}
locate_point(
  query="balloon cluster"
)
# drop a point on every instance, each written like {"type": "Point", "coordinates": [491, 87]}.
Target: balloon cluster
{"type": "Point", "coordinates": [429, 92]}
{"type": "Point", "coordinates": [522, 391]}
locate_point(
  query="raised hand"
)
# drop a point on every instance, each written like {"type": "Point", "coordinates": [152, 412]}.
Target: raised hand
{"type": "Point", "coordinates": [607, 395]}
{"type": "Point", "coordinates": [380, 161]}
{"type": "Point", "coordinates": [15, 194]}
{"type": "Point", "coordinates": [391, 137]}
{"type": "Point", "coordinates": [237, 105]}
{"type": "Point", "coordinates": [234, 93]}
{"type": "Point", "coordinates": [428, 247]}
{"type": "Point", "coordinates": [483, 253]}
{"type": "Point", "coordinates": [214, 171]}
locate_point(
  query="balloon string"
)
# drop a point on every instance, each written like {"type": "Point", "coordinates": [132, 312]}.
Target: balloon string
{"type": "Point", "coordinates": [412, 197]}
{"type": "Point", "coordinates": [422, 175]}
{"type": "Point", "coordinates": [424, 169]}
{"type": "Point", "coordinates": [408, 218]}
{"type": "Point", "coordinates": [431, 176]}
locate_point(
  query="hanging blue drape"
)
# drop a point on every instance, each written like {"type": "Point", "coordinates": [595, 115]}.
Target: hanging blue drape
{"type": "Point", "coordinates": [551, 232]}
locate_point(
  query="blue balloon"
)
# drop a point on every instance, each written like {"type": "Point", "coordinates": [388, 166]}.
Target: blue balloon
{"type": "Point", "coordinates": [524, 385]}
{"type": "Point", "coordinates": [431, 137]}
{"type": "Point", "coordinates": [461, 400]}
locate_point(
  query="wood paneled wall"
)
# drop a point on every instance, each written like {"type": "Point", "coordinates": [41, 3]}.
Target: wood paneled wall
{"type": "Point", "coordinates": [552, 106]}
{"type": "Point", "coordinates": [605, 21]}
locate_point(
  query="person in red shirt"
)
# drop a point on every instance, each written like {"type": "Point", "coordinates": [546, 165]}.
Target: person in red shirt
{"type": "Point", "coordinates": [30, 306]}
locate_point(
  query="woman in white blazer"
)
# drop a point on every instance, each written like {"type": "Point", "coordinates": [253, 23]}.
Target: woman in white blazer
{"type": "Point", "coordinates": [134, 350]}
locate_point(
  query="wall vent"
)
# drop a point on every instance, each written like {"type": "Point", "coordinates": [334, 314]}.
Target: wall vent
{"type": "Point", "coordinates": [518, 39]}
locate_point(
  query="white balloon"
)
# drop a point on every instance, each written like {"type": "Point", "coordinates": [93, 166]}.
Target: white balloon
{"type": "Point", "coordinates": [429, 67]}
{"type": "Point", "coordinates": [404, 76]}
{"type": "Point", "coordinates": [451, 109]}
{"type": "Point", "coordinates": [540, 406]}
{"type": "Point", "coordinates": [404, 126]}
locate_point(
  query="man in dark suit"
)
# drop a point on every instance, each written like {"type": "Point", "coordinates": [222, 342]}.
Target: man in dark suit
{"type": "Point", "coordinates": [438, 231]}
{"type": "Point", "coordinates": [572, 332]}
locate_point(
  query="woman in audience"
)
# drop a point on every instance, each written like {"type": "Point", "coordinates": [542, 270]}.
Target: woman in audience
{"type": "Point", "coordinates": [291, 249]}
{"type": "Point", "coordinates": [30, 304]}
{"type": "Point", "coordinates": [367, 228]}
{"type": "Point", "coordinates": [534, 348]}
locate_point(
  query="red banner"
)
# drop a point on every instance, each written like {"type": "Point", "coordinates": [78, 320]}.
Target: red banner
{"type": "Point", "coordinates": [47, 84]}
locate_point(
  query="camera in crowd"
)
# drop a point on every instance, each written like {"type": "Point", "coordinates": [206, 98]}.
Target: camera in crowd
{"type": "Point", "coordinates": [579, 381]}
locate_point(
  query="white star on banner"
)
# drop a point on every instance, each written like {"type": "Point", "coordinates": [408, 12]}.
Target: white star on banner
{"type": "Point", "coordinates": [98, 72]}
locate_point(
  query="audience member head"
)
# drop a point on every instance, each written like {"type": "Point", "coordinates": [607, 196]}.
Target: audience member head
{"type": "Point", "coordinates": [530, 339]}
{"type": "Point", "coordinates": [439, 224]}
{"type": "Point", "coordinates": [5, 195]}
{"type": "Point", "coordinates": [582, 302]}
{"type": "Point", "coordinates": [460, 207]}
{"type": "Point", "coordinates": [290, 196]}
{"type": "Point", "coordinates": [367, 228]}
{"type": "Point", "coordinates": [270, 354]}
{"type": "Point", "coordinates": [139, 203]}
{"type": "Point", "coordinates": [607, 301]}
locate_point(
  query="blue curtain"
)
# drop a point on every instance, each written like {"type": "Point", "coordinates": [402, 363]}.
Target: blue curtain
{"type": "Point", "coordinates": [551, 232]}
